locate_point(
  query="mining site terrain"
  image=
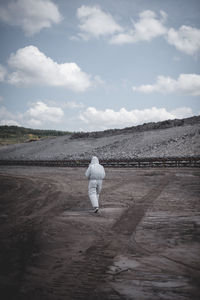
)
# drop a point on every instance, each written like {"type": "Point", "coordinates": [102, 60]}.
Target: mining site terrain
{"type": "Point", "coordinates": [143, 243]}
{"type": "Point", "coordinates": [163, 139]}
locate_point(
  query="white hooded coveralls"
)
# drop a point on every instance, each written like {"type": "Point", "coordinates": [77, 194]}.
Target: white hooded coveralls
{"type": "Point", "coordinates": [95, 173]}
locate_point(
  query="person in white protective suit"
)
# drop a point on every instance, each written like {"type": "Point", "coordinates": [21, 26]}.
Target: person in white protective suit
{"type": "Point", "coordinates": [95, 173]}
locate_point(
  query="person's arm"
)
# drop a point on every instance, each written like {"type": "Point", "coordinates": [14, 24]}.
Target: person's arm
{"type": "Point", "coordinates": [87, 173]}
{"type": "Point", "coordinates": [103, 172]}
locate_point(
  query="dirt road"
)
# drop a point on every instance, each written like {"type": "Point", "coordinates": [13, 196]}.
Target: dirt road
{"type": "Point", "coordinates": [143, 244]}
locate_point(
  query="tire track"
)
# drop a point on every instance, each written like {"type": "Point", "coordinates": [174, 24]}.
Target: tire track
{"type": "Point", "coordinates": [126, 224]}
{"type": "Point", "coordinates": [86, 279]}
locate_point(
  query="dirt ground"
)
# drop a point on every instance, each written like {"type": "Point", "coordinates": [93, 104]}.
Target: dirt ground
{"type": "Point", "coordinates": [143, 244]}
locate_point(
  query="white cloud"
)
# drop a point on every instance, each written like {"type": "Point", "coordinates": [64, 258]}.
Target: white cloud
{"type": "Point", "coordinates": [147, 28]}
{"type": "Point", "coordinates": [72, 105]}
{"type": "Point", "coordinates": [40, 113]}
{"type": "Point", "coordinates": [8, 118]}
{"type": "Point", "coordinates": [31, 15]}
{"type": "Point", "coordinates": [31, 67]}
{"type": "Point", "coordinates": [105, 119]}
{"type": "Point", "coordinates": [95, 23]}
{"type": "Point", "coordinates": [34, 123]}
{"type": "Point", "coordinates": [182, 112]}
{"type": "Point", "coordinates": [3, 73]}
{"type": "Point", "coordinates": [186, 39]}
{"type": "Point", "coordinates": [9, 122]}
{"type": "Point", "coordinates": [98, 80]}
{"type": "Point", "coordinates": [188, 84]}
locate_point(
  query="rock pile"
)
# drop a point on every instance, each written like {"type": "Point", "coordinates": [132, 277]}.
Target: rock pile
{"type": "Point", "coordinates": [162, 139]}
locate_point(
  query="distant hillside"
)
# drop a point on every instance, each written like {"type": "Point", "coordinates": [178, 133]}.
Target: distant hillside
{"type": "Point", "coordinates": [15, 134]}
{"type": "Point", "coordinates": [163, 139]}
{"type": "Point", "coordinates": [139, 128]}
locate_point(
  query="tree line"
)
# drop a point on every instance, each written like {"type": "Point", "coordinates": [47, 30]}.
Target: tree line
{"type": "Point", "coordinates": [9, 131]}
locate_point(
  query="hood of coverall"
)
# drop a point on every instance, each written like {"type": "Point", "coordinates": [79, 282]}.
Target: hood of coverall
{"type": "Point", "coordinates": [94, 160]}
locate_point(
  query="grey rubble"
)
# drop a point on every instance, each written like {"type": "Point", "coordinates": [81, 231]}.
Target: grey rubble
{"type": "Point", "coordinates": [169, 138]}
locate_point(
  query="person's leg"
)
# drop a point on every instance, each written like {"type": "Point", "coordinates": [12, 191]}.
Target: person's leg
{"type": "Point", "coordinates": [99, 187]}
{"type": "Point", "coordinates": [94, 200]}
{"type": "Point", "coordinates": [93, 194]}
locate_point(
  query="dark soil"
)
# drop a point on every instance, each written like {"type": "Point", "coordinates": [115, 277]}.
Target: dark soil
{"type": "Point", "coordinates": [143, 243]}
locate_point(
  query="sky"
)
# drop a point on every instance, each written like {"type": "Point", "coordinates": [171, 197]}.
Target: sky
{"type": "Point", "coordinates": [93, 65]}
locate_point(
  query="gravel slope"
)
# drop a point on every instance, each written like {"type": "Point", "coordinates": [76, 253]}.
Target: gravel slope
{"type": "Point", "coordinates": [147, 141]}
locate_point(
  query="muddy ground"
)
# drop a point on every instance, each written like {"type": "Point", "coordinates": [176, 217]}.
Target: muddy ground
{"type": "Point", "coordinates": [143, 244]}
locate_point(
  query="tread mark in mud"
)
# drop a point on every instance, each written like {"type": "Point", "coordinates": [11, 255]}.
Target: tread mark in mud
{"type": "Point", "coordinates": [85, 280]}
{"type": "Point", "coordinates": [129, 220]}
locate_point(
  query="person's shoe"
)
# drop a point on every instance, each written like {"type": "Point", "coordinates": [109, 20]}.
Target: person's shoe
{"type": "Point", "coordinates": [96, 210]}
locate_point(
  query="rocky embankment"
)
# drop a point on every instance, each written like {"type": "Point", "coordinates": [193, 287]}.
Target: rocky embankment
{"type": "Point", "coordinates": [168, 138]}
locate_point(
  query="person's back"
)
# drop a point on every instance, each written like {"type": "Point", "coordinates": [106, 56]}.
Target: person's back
{"type": "Point", "coordinates": [95, 173]}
